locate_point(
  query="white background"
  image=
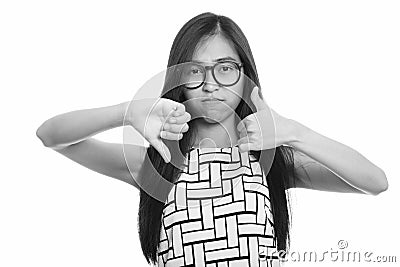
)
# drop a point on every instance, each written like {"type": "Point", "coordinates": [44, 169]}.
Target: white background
{"type": "Point", "coordinates": [331, 65]}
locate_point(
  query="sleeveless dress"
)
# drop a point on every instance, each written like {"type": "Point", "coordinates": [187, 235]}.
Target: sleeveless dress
{"type": "Point", "coordinates": [218, 213]}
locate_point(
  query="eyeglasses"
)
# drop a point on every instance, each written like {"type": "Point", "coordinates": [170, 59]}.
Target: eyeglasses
{"type": "Point", "coordinates": [225, 73]}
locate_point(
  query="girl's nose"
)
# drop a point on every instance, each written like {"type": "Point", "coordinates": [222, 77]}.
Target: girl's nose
{"type": "Point", "coordinates": [210, 84]}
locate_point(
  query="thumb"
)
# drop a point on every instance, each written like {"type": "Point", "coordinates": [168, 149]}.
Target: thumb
{"type": "Point", "coordinates": [162, 149]}
{"type": "Point", "coordinates": [256, 99]}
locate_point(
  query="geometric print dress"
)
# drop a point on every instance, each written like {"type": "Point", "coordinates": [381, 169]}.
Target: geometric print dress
{"type": "Point", "coordinates": [218, 213]}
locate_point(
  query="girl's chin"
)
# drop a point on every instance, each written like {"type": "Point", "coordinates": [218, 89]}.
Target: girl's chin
{"type": "Point", "coordinates": [214, 117]}
{"type": "Point", "coordinates": [211, 120]}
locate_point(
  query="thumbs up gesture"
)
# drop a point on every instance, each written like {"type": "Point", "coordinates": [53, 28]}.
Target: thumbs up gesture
{"type": "Point", "coordinates": [264, 129]}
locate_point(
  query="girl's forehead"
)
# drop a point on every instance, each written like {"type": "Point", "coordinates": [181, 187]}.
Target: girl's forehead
{"type": "Point", "coordinates": [213, 49]}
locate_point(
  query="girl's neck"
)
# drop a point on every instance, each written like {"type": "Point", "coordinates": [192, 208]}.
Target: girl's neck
{"type": "Point", "coordinates": [218, 134]}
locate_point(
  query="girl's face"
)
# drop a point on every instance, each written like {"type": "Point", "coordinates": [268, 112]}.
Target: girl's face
{"type": "Point", "coordinates": [225, 99]}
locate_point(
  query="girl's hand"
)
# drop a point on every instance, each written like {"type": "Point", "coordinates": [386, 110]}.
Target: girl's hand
{"type": "Point", "coordinates": [159, 118]}
{"type": "Point", "coordinates": [264, 129]}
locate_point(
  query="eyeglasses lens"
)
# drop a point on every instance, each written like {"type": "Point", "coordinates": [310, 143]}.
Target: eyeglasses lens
{"type": "Point", "coordinates": [225, 73]}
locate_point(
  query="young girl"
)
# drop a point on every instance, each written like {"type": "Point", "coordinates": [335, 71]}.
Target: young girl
{"type": "Point", "coordinates": [213, 181]}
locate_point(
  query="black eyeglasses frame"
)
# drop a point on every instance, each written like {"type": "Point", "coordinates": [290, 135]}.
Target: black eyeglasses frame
{"type": "Point", "coordinates": [238, 65]}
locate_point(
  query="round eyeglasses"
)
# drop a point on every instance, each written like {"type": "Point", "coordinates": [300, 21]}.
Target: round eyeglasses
{"type": "Point", "coordinates": [225, 73]}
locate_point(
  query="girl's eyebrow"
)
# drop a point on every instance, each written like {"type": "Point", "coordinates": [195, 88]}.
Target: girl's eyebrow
{"type": "Point", "coordinates": [218, 59]}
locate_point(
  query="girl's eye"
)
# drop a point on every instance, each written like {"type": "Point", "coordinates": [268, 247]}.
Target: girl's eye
{"type": "Point", "coordinates": [225, 68]}
{"type": "Point", "coordinates": [195, 71]}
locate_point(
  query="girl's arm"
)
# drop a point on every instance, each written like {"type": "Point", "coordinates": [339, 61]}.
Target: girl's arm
{"type": "Point", "coordinates": [325, 164]}
{"type": "Point", "coordinates": [75, 126]}
{"type": "Point", "coordinates": [70, 135]}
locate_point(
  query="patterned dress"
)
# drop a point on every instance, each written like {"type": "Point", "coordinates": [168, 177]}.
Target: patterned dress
{"type": "Point", "coordinates": [218, 213]}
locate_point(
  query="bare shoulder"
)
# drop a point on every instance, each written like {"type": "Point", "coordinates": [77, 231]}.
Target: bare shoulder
{"type": "Point", "coordinates": [107, 158]}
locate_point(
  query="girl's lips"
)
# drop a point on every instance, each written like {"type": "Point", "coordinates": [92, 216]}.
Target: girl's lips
{"type": "Point", "coordinates": [211, 100]}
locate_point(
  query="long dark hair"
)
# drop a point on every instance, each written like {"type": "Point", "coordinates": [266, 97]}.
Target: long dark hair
{"type": "Point", "coordinates": [281, 170]}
